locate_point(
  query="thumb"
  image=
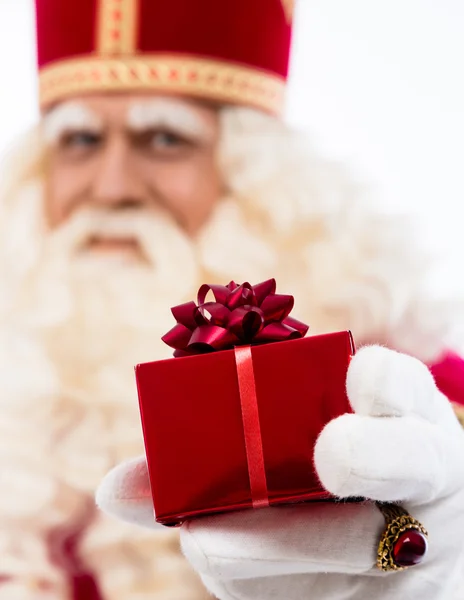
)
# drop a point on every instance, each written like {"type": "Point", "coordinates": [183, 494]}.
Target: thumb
{"type": "Point", "coordinates": [125, 493]}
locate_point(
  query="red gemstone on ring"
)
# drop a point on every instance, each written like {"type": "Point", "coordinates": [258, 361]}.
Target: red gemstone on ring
{"type": "Point", "coordinates": [410, 548]}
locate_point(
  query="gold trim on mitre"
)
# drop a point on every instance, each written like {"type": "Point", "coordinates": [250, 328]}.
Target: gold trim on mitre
{"type": "Point", "coordinates": [289, 7]}
{"type": "Point", "coordinates": [170, 74]}
{"type": "Point", "coordinates": [117, 26]}
{"type": "Point", "coordinates": [459, 412]}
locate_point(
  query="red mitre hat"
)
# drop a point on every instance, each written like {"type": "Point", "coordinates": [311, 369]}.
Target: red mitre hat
{"type": "Point", "coordinates": [230, 51]}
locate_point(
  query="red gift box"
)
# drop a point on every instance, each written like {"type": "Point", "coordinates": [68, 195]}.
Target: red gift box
{"type": "Point", "coordinates": [236, 429]}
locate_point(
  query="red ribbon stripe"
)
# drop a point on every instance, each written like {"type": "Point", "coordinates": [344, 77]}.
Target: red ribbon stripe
{"type": "Point", "coordinates": [251, 427]}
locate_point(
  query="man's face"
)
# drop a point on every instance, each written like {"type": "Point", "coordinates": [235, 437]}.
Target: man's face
{"type": "Point", "coordinates": [124, 154]}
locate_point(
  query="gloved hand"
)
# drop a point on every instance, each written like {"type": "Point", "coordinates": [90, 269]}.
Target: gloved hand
{"type": "Point", "coordinates": [402, 444]}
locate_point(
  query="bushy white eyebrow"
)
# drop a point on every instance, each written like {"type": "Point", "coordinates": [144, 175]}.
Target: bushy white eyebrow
{"type": "Point", "coordinates": [69, 116]}
{"type": "Point", "coordinates": [163, 112]}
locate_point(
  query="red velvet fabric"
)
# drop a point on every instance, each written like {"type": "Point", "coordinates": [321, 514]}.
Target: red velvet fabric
{"type": "Point", "coordinates": [449, 377]}
{"type": "Point", "coordinates": [65, 29]}
{"type": "Point", "coordinates": [254, 33]}
{"type": "Point", "coordinates": [63, 544]}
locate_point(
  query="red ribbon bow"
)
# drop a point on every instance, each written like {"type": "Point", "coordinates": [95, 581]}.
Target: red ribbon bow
{"type": "Point", "coordinates": [240, 315]}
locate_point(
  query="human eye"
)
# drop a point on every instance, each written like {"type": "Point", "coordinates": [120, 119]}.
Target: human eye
{"type": "Point", "coordinates": [164, 143]}
{"type": "Point", "coordinates": [167, 139]}
{"type": "Point", "coordinates": [79, 140]}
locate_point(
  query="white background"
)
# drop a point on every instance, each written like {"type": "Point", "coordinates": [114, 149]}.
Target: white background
{"type": "Point", "coordinates": [379, 85]}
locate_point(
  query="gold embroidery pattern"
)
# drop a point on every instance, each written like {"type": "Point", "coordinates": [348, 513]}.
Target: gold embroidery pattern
{"type": "Point", "coordinates": [117, 26]}
{"type": "Point", "coordinates": [289, 7]}
{"type": "Point", "coordinates": [459, 411]}
{"type": "Point", "coordinates": [215, 80]}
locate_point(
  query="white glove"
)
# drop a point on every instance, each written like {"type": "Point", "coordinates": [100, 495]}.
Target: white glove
{"type": "Point", "coordinates": [402, 444]}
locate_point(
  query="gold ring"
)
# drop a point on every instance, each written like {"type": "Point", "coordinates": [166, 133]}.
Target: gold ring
{"type": "Point", "coordinates": [403, 543]}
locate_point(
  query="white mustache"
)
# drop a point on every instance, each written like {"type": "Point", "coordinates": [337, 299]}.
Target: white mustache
{"type": "Point", "coordinates": [68, 274]}
{"type": "Point", "coordinates": [140, 225]}
{"type": "Point", "coordinates": [164, 248]}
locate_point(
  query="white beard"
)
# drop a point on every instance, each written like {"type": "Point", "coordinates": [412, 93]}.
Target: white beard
{"type": "Point", "coordinates": [79, 323]}
{"type": "Point", "coordinates": [64, 264]}
{"type": "Point", "coordinates": [89, 298]}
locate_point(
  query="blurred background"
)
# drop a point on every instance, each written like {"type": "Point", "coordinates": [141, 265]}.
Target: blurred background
{"type": "Point", "coordinates": [378, 84]}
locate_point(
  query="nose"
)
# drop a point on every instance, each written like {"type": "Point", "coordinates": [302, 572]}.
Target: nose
{"type": "Point", "coordinates": [116, 184]}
